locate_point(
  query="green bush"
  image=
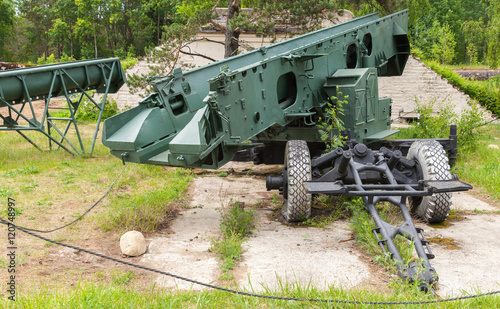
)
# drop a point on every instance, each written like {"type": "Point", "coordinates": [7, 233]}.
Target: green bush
{"type": "Point", "coordinates": [88, 111]}
{"type": "Point", "coordinates": [128, 62]}
{"type": "Point", "coordinates": [430, 125]}
{"type": "Point", "coordinates": [331, 128]}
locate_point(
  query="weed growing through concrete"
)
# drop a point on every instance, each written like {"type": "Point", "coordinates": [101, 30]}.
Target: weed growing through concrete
{"type": "Point", "coordinates": [236, 224]}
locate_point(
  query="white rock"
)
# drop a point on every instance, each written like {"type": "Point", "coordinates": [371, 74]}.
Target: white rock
{"type": "Point", "coordinates": [133, 243]}
{"type": "Point", "coordinates": [493, 146]}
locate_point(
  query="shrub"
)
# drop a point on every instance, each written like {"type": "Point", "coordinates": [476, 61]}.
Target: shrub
{"type": "Point", "coordinates": [88, 111]}
{"type": "Point", "coordinates": [430, 125]}
{"type": "Point", "coordinates": [128, 63]}
{"type": "Point", "coordinates": [331, 128]}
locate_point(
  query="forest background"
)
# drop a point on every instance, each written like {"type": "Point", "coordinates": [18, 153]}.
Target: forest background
{"type": "Point", "coordinates": [448, 31]}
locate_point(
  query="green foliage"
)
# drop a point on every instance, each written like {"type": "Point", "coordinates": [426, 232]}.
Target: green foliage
{"type": "Point", "coordinates": [121, 278]}
{"type": "Point", "coordinates": [429, 125]}
{"type": "Point", "coordinates": [474, 34]}
{"type": "Point", "coordinates": [333, 208]}
{"type": "Point", "coordinates": [450, 31]}
{"type": "Point", "coordinates": [362, 224]}
{"type": "Point", "coordinates": [28, 170]}
{"type": "Point", "coordinates": [98, 295]}
{"type": "Point", "coordinates": [305, 15]}
{"type": "Point", "coordinates": [192, 7]}
{"type": "Point", "coordinates": [46, 60]}
{"type": "Point", "coordinates": [5, 192]}
{"type": "Point", "coordinates": [144, 210]}
{"type": "Point", "coordinates": [493, 33]}
{"type": "Point", "coordinates": [331, 128]}
{"type": "Point", "coordinates": [235, 220]}
{"type": "Point", "coordinates": [236, 224]}
{"type": "Point", "coordinates": [229, 249]}
{"type": "Point", "coordinates": [444, 47]}
{"type": "Point", "coordinates": [51, 59]}
{"type": "Point", "coordinates": [493, 82]}
{"type": "Point", "coordinates": [88, 111]}
{"type": "Point", "coordinates": [128, 62]}
{"type": "Point", "coordinates": [6, 25]}
{"type": "Point", "coordinates": [91, 28]}
{"type": "Point", "coordinates": [481, 167]}
{"type": "Point", "coordinates": [101, 28]}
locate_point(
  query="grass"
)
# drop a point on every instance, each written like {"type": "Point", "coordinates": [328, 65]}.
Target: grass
{"type": "Point", "coordinates": [482, 166]}
{"type": "Point", "coordinates": [330, 208]}
{"type": "Point", "coordinates": [150, 192]}
{"type": "Point", "coordinates": [44, 182]}
{"type": "Point", "coordinates": [236, 224]}
{"type": "Point", "coordinates": [88, 295]}
{"type": "Point", "coordinates": [362, 224]}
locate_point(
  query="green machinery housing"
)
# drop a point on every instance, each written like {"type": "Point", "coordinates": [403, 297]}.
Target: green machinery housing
{"type": "Point", "coordinates": [20, 89]}
{"type": "Point", "coordinates": [267, 104]}
{"type": "Point", "coordinates": [204, 116]}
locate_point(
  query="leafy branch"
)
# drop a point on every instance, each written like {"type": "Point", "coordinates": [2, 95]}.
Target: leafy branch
{"type": "Point", "coordinates": [332, 126]}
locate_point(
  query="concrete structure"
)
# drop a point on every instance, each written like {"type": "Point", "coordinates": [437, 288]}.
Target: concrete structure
{"type": "Point", "coordinates": [420, 84]}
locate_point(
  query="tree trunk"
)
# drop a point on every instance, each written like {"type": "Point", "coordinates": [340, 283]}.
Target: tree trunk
{"type": "Point", "coordinates": [95, 38]}
{"type": "Point", "coordinates": [232, 36]}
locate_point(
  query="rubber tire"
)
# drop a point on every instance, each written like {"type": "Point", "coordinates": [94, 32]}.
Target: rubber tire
{"type": "Point", "coordinates": [297, 202]}
{"type": "Point", "coordinates": [431, 157]}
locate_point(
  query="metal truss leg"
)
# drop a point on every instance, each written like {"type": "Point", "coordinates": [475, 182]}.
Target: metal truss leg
{"type": "Point", "coordinates": [419, 270]}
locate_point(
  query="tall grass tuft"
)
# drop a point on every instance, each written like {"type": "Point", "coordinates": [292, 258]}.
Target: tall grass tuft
{"type": "Point", "coordinates": [236, 224]}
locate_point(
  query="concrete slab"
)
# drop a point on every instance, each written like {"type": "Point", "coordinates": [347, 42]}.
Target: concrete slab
{"type": "Point", "coordinates": [474, 263]}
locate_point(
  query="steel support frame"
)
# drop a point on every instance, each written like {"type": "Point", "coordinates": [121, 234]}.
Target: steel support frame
{"type": "Point", "coordinates": [51, 131]}
{"type": "Point", "coordinates": [421, 271]}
